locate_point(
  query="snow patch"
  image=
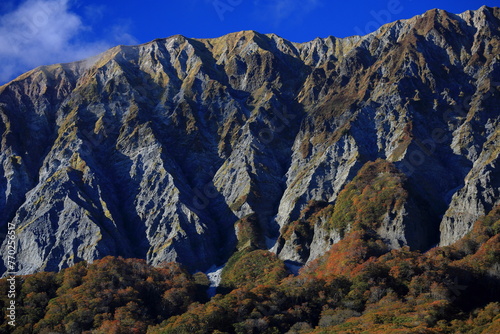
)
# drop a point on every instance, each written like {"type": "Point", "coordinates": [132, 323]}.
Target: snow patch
{"type": "Point", "coordinates": [214, 276]}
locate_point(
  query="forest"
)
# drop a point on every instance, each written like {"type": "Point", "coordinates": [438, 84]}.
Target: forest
{"type": "Point", "coordinates": [359, 286]}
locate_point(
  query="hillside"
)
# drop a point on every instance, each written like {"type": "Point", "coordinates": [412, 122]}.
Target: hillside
{"type": "Point", "coordinates": [159, 151]}
{"type": "Point", "coordinates": [335, 186]}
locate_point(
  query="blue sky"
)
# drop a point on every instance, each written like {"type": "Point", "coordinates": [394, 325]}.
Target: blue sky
{"type": "Point", "coordinates": [40, 32]}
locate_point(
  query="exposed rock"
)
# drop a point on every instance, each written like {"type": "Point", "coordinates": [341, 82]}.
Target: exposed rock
{"type": "Point", "coordinates": [479, 195]}
{"type": "Point", "coordinates": [156, 151]}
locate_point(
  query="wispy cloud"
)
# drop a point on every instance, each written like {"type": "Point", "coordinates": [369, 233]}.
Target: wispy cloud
{"type": "Point", "coordinates": [280, 10]}
{"type": "Point", "coordinates": [40, 32]}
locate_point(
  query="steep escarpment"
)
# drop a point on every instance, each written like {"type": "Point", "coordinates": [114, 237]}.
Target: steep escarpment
{"type": "Point", "coordinates": [162, 151]}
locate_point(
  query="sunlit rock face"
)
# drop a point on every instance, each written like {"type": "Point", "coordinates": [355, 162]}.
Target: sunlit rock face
{"type": "Point", "coordinates": [156, 151]}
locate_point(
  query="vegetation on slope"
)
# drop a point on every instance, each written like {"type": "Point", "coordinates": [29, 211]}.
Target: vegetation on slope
{"type": "Point", "coordinates": [112, 295]}
{"type": "Point", "coordinates": [359, 286]}
{"type": "Point", "coordinates": [378, 189]}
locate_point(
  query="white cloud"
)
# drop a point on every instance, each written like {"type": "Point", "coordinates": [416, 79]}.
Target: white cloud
{"type": "Point", "coordinates": [280, 10]}
{"type": "Point", "coordinates": [41, 32]}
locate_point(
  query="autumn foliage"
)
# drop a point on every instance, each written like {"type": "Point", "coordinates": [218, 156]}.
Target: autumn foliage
{"type": "Point", "coordinates": [112, 295]}
{"type": "Point", "coordinates": [358, 286]}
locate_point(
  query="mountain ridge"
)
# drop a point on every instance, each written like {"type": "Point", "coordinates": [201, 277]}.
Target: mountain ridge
{"type": "Point", "coordinates": [159, 151]}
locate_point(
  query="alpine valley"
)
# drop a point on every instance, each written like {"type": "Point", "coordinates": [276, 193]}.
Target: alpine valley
{"type": "Point", "coordinates": [368, 161]}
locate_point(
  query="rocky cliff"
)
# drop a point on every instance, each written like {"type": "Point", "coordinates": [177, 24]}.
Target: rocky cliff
{"type": "Point", "coordinates": [163, 150]}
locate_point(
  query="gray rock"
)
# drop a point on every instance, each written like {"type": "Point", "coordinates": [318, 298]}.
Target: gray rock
{"type": "Point", "coordinates": [156, 150]}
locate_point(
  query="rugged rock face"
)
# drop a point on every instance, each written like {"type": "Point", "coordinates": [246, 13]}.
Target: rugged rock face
{"type": "Point", "coordinates": [156, 151]}
{"type": "Point", "coordinates": [478, 196]}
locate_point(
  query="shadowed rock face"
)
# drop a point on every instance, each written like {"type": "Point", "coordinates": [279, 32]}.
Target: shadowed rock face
{"type": "Point", "coordinates": [156, 151]}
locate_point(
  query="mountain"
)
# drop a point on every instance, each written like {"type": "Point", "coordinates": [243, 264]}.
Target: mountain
{"type": "Point", "coordinates": [190, 150]}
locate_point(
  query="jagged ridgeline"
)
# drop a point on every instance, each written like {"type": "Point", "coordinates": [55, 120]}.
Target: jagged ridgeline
{"type": "Point", "coordinates": [190, 150]}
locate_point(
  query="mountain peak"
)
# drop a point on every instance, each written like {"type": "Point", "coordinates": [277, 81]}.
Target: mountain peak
{"type": "Point", "coordinates": [185, 149]}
